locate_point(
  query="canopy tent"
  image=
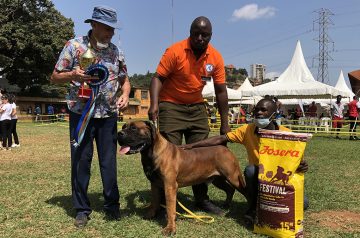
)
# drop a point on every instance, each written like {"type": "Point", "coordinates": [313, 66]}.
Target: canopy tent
{"type": "Point", "coordinates": [295, 82]}
{"type": "Point", "coordinates": [209, 91]}
{"type": "Point", "coordinates": [341, 85]}
{"type": "Point", "coordinates": [245, 86]}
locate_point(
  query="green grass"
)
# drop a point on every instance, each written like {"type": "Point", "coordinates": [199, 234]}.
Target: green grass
{"type": "Point", "coordinates": [35, 190]}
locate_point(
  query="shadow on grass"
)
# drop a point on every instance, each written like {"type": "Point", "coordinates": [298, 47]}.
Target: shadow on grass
{"type": "Point", "coordinates": [235, 212]}
{"type": "Point", "coordinates": [65, 202]}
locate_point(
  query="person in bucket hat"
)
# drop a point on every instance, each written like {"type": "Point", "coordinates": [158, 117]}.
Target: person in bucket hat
{"type": "Point", "coordinates": [111, 96]}
{"type": "Point", "coordinates": [105, 15]}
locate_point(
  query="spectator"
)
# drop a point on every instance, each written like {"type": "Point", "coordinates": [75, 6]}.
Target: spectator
{"type": "Point", "coordinates": [14, 118]}
{"type": "Point", "coordinates": [312, 113]}
{"type": "Point", "coordinates": [279, 111]}
{"type": "Point", "coordinates": [213, 113]}
{"type": "Point", "coordinates": [29, 110]}
{"type": "Point", "coordinates": [51, 114]}
{"type": "Point", "coordinates": [5, 120]}
{"type": "Point", "coordinates": [354, 107]}
{"type": "Point", "coordinates": [62, 113]}
{"type": "Point", "coordinates": [337, 109]}
{"type": "Point", "coordinates": [312, 110]}
{"type": "Point", "coordinates": [37, 112]}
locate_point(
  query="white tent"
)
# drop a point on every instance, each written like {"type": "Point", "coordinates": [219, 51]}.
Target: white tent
{"type": "Point", "coordinates": [295, 82]}
{"type": "Point", "coordinates": [245, 86]}
{"type": "Point", "coordinates": [209, 91]}
{"type": "Point", "coordinates": [341, 85]}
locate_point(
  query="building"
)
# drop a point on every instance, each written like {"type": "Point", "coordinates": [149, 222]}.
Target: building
{"type": "Point", "coordinates": [257, 73]}
{"type": "Point", "coordinates": [229, 68]}
{"type": "Point", "coordinates": [139, 103]}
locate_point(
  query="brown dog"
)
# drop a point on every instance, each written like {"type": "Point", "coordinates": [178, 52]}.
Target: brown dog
{"type": "Point", "coordinates": [170, 167]}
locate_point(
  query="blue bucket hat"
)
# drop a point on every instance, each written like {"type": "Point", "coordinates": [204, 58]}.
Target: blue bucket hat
{"type": "Point", "coordinates": [105, 15]}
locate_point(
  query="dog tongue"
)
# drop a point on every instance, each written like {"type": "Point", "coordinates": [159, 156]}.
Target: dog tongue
{"type": "Point", "coordinates": [124, 149]}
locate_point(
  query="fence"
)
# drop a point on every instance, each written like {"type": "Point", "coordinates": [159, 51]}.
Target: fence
{"type": "Point", "coordinates": [319, 127]}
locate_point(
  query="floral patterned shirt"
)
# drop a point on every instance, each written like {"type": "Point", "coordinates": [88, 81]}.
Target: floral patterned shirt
{"type": "Point", "coordinates": [109, 92]}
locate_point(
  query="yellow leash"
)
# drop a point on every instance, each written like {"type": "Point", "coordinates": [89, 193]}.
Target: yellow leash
{"type": "Point", "coordinates": [191, 215]}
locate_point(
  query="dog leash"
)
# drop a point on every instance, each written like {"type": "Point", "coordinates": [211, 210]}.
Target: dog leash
{"type": "Point", "coordinates": [191, 215]}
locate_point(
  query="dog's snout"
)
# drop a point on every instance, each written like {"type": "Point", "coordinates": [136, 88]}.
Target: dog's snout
{"type": "Point", "coordinates": [121, 133]}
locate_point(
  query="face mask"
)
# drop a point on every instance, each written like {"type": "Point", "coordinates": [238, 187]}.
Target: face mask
{"type": "Point", "coordinates": [101, 46]}
{"type": "Point", "coordinates": [262, 122]}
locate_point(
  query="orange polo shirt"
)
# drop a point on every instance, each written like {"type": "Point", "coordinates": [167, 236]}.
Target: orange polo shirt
{"type": "Point", "coordinates": [183, 73]}
{"type": "Point", "coordinates": [246, 135]}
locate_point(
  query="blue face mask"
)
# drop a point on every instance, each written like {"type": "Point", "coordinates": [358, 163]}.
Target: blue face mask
{"type": "Point", "coordinates": [262, 122]}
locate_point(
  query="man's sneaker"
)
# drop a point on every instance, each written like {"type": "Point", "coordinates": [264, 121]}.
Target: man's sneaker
{"type": "Point", "coordinates": [209, 207]}
{"type": "Point", "coordinates": [113, 215]}
{"type": "Point", "coordinates": [81, 220]}
{"type": "Point", "coordinates": [249, 216]}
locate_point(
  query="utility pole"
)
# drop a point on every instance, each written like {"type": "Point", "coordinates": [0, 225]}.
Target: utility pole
{"type": "Point", "coordinates": [324, 40]}
{"type": "Point", "coordinates": [172, 21]}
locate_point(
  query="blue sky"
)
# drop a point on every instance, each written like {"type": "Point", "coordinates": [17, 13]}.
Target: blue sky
{"type": "Point", "coordinates": [245, 32]}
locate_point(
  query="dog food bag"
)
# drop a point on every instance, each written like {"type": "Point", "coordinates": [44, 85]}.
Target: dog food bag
{"type": "Point", "coordinates": [280, 204]}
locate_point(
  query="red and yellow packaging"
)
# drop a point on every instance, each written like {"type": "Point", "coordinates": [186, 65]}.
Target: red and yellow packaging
{"type": "Point", "coordinates": [280, 206]}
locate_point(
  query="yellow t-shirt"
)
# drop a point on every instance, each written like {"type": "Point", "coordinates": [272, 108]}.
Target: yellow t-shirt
{"type": "Point", "coordinates": [246, 135]}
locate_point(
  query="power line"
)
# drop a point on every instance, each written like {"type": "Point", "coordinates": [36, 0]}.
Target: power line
{"type": "Point", "coordinates": [345, 26]}
{"type": "Point", "coordinates": [267, 45]}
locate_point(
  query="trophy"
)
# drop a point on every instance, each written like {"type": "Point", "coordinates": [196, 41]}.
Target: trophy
{"type": "Point", "coordinates": [86, 60]}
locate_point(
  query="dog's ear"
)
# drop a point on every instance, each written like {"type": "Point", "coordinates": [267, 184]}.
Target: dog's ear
{"type": "Point", "coordinates": [152, 128]}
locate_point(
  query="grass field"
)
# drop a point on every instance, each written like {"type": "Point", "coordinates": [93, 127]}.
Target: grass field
{"type": "Point", "coordinates": [35, 192]}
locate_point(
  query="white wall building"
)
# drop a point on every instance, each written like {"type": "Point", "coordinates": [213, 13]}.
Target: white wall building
{"type": "Point", "coordinates": [257, 72]}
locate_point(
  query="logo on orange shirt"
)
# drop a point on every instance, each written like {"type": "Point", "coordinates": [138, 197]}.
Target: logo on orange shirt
{"type": "Point", "coordinates": [209, 68]}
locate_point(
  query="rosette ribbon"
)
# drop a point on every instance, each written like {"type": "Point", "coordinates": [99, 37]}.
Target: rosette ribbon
{"type": "Point", "coordinates": [102, 72]}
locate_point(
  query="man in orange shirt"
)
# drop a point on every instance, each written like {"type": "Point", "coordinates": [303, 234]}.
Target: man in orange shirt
{"type": "Point", "coordinates": [175, 93]}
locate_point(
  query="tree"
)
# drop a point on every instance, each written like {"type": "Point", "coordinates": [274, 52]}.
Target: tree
{"type": "Point", "coordinates": [140, 80]}
{"type": "Point", "coordinates": [32, 34]}
{"type": "Point", "coordinates": [236, 78]}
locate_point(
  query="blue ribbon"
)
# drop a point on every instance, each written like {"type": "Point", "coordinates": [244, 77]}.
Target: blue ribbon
{"type": "Point", "coordinates": [103, 73]}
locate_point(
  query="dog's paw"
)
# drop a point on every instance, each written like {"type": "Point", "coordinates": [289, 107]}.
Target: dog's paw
{"type": "Point", "coordinates": [169, 231]}
{"type": "Point", "coordinates": [150, 214]}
